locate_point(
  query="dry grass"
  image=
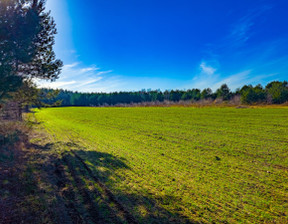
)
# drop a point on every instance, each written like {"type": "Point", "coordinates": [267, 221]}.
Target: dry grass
{"type": "Point", "coordinates": [13, 137]}
{"type": "Point", "coordinates": [234, 102]}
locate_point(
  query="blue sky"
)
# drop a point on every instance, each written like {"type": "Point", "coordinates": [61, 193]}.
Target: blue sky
{"type": "Point", "coordinates": [117, 45]}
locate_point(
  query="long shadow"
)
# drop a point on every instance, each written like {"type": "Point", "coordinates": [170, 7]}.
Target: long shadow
{"type": "Point", "coordinates": [71, 188]}
{"type": "Point", "coordinates": [45, 147]}
{"type": "Point", "coordinates": [18, 188]}
{"type": "Point", "coordinates": [104, 165]}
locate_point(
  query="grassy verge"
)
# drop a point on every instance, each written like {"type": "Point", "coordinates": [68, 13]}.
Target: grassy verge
{"type": "Point", "coordinates": [27, 195]}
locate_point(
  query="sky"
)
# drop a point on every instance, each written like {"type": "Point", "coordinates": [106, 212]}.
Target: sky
{"type": "Point", "coordinates": [130, 45]}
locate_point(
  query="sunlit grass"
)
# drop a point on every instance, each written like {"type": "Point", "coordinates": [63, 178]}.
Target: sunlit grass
{"type": "Point", "coordinates": [205, 164]}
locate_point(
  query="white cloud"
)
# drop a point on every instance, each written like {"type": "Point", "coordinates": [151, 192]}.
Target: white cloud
{"type": "Point", "coordinates": [89, 82]}
{"type": "Point", "coordinates": [88, 69]}
{"type": "Point", "coordinates": [234, 81]}
{"type": "Point", "coordinates": [211, 77]}
{"type": "Point", "coordinates": [243, 78]}
{"type": "Point", "coordinates": [77, 77]}
{"type": "Point", "coordinates": [209, 70]}
{"type": "Point", "coordinates": [69, 66]}
{"type": "Point", "coordinates": [54, 85]}
{"type": "Point", "coordinates": [104, 72]}
{"type": "Point", "coordinates": [206, 77]}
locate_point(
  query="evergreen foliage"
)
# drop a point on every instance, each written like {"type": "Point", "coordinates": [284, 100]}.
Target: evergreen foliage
{"type": "Point", "coordinates": [26, 44]}
{"type": "Point", "coordinates": [224, 92]}
{"type": "Point", "coordinates": [277, 91]}
{"type": "Point", "coordinates": [250, 94]}
{"type": "Point", "coordinates": [274, 92]}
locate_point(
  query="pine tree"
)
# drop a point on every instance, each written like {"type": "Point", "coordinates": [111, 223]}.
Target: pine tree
{"type": "Point", "coordinates": [27, 36]}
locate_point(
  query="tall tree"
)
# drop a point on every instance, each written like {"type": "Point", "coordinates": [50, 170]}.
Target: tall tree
{"type": "Point", "coordinates": [27, 36]}
{"type": "Point", "coordinates": [206, 93]}
{"type": "Point", "coordinates": [224, 92]}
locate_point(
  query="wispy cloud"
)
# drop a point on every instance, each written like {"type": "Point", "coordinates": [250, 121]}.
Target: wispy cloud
{"type": "Point", "coordinates": [233, 81]}
{"type": "Point", "coordinates": [55, 85]}
{"type": "Point", "coordinates": [89, 82]}
{"type": "Point", "coordinates": [92, 79]}
{"type": "Point", "coordinates": [243, 62]}
{"type": "Point", "coordinates": [209, 70]}
{"type": "Point", "coordinates": [76, 69]}
{"type": "Point", "coordinates": [77, 77]}
{"type": "Point", "coordinates": [242, 29]}
{"type": "Point", "coordinates": [89, 69]}
{"type": "Point", "coordinates": [209, 76]}
{"type": "Point", "coordinates": [243, 78]}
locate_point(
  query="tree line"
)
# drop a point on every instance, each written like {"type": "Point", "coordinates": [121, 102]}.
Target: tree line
{"type": "Point", "coordinates": [275, 92]}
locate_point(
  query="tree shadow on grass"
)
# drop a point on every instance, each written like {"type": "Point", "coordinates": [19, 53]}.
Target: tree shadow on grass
{"type": "Point", "coordinates": [45, 147]}
{"type": "Point", "coordinates": [71, 188]}
{"type": "Point", "coordinates": [19, 192]}
{"type": "Point", "coordinates": [143, 207]}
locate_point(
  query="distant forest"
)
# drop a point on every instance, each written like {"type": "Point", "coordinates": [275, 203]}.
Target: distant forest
{"type": "Point", "coordinates": [275, 92]}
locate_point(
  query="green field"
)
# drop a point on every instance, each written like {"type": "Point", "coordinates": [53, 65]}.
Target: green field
{"type": "Point", "coordinates": [178, 165]}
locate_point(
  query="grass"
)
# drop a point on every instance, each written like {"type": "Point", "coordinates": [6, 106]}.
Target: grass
{"type": "Point", "coordinates": [19, 198]}
{"type": "Point", "coordinates": [199, 165]}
